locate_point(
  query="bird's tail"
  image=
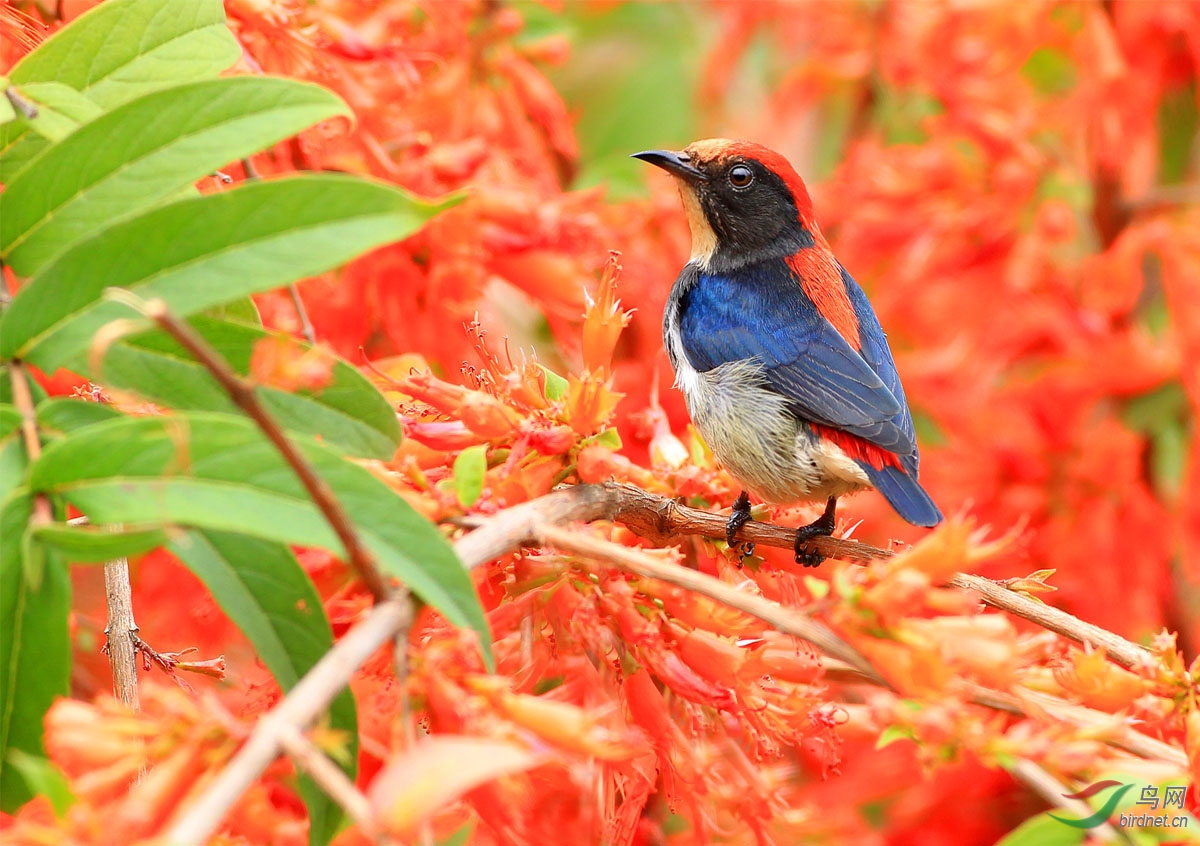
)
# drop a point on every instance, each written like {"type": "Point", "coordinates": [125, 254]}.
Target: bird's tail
{"type": "Point", "coordinates": [904, 494]}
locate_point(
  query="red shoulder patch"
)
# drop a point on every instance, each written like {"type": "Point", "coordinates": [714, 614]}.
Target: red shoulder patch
{"type": "Point", "coordinates": [857, 448]}
{"type": "Point", "coordinates": [815, 267]}
{"type": "Point", "coordinates": [821, 279]}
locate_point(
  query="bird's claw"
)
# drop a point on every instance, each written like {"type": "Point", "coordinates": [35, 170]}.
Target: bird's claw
{"type": "Point", "coordinates": [738, 518]}
{"type": "Point", "coordinates": [806, 556]}
{"type": "Point", "coordinates": [822, 527]}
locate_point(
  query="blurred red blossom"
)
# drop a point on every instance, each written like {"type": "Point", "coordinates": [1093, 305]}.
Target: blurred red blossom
{"type": "Point", "coordinates": [1009, 184]}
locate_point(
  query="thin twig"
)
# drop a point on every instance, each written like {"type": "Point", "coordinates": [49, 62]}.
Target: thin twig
{"type": "Point", "coordinates": [244, 395]}
{"type": "Point", "coordinates": [27, 109]}
{"type": "Point", "coordinates": [408, 720]}
{"type": "Point", "coordinates": [329, 777]}
{"type": "Point", "coordinates": [1116, 731]}
{"type": "Point", "coordinates": [661, 520]}
{"type": "Point", "coordinates": [508, 531]}
{"type": "Point", "coordinates": [658, 518]}
{"type": "Point", "coordinates": [1055, 792]}
{"type": "Point", "coordinates": [304, 703]}
{"type": "Point", "coordinates": [311, 696]}
{"type": "Point", "coordinates": [23, 400]}
{"type": "Point", "coordinates": [121, 631]}
{"type": "Point", "coordinates": [306, 326]}
{"type": "Point", "coordinates": [777, 616]}
{"type": "Point", "coordinates": [122, 649]}
{"type": "Point", "coordinates": [1124, 652]}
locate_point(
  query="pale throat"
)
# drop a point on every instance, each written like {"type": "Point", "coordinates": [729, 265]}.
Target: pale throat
{"type": "Point", "coordinates": [704, 240]}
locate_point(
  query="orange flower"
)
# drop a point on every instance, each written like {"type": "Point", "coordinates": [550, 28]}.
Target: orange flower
{"type": "Point", "coordinates": [1099, 683]}
{"type": "Point", "coordinates": [280, 362]}
{"type": "Point", "coordinates": [604, 321]}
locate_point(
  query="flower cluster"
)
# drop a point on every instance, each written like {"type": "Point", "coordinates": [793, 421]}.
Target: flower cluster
{"type": "Point", "coordinates": [1009, 184]}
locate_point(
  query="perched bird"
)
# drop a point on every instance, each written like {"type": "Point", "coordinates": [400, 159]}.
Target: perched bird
{"type": "Point", "coordinates": [781, 359]}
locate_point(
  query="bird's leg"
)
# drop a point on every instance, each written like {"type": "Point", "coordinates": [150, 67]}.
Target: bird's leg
{"type": "Point", "coordinates": [737, 519]}
{"type": "Point", "coordinates": [821, 527]}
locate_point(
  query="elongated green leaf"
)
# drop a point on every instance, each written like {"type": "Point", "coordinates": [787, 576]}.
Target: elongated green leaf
{"type": "Point", "coordinates": [144, 151]}
{"type": "Point", "coordinates": [35, 647]}
{"type": "Point", "coordinates": [7, 112]}
{"type": "Point", "coordinates": [64, 415]}
{"type": "Point", "coordinates": [200, 252]}
{"type": "Point", "coordinates": [241, 310]}
{"type": "Point", "coordinates": [13, 458]}
{"type": "Point", "coordinates": [43, 779]}
{"type": "Point", "coordinates": [348, 412]}
{"type": "Point", "coordinates": [10, 421]}
{"type": "Point", "coordinates": [262, 588]}
{"type": "Point", "coordinates": [60, 111]}
{"type": "Point", "coordinates": [122, 49]}
{"type": "Point", "coordinates": [1043, 830]}
{"type": "Point", "coordinates": [219, 472]}
{"type": "Point", "coordinates": [95, 543]}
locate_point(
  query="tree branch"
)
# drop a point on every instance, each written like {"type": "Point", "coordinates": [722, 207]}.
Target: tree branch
{"type": "Point", "coordinates": [777, 616]}
{"type": "Point", "coordinates": [303, 704]}
{"type": "Point", "coordinates": [244, 395]}
{"type": "Point", "coordinates": [329, 777]}
{"type": "Point", "coordinates": [660, 519]}
{"type": "Point", "coordinates": [120, 632]}
{"type": "Point", "coordinates": [652, 516]}
{"type": "Point", "coordinates": [1123, 652]}
{"type": "Point", "coordinates": [1054, 791]}
{"type": "Point", "coordinates": [312, 694]}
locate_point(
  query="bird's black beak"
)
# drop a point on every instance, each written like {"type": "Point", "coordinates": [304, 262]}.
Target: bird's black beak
{"type": "Point", "coordinates": [679, 164]}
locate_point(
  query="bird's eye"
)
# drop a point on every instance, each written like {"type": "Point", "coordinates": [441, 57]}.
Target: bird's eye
{"type": "Point", "coordinates": [740, 176]}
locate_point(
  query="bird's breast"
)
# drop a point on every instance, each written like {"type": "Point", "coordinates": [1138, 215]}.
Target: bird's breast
{"type": "Point", "coordinates": [759, 440]}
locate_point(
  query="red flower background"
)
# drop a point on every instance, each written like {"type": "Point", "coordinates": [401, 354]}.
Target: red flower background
{"type": "Point", "coordinates": [1014, 185]}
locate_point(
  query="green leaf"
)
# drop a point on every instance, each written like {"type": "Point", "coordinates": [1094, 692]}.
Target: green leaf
{"type": "Point", "coordinates": [1050, 71]}
{"type": "Point", "coordinates": [891, 734]}
{"type": "Point", "coordinates": [43, 779]}
{"type": "Point", "coordinates": [10, 420]}
{"type": "Point", "coordinates": [13, 459]}
{"type": "Point", "coordinates": [61, 110]}
{"type": "Point", "coordinates": [143, 152]}
{"type": "Point", "coordinates": [556, 386]}
{"type": "Point", "coordinates": [7, 112]}
{"type": "Point", "coordinates": [97, 543]}
{"type": "Point", "coordinates": [469, 469]}
{"type": "Point", "coordinates": [219, 472]}
{"type": "Point", "coordinates": [241, 310]}
{"type": "Point", "coordinates": [63, 415]}
{"type": "Point", "coordinates": [201, 252]}
{"type": "Point", "coordinates": [610, 438]}
{"type": "Point", "coordinates": [1178, 123]}
{"type": "Point", "coordinates": [348, 412]}
{"type": "Point", "coordinates": [627, 107]}
{"type": "Point", "coordinates": [122, 49]}
{"type": "Point", "coordinates": [263, 590]}
{"type": "Point", "coordinates": [35, 648]}
{"type": "Point", "coordinates": [1043, 830]}
{"type": "Point", "coordinates": [461, 836]}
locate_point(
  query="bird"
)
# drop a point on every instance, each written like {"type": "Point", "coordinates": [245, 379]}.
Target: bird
{"type": "Point", "coordinates": [784, 367]}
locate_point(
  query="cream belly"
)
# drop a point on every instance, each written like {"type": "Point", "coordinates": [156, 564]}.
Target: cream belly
{"type": "Point", "coordinates": [759, 440]}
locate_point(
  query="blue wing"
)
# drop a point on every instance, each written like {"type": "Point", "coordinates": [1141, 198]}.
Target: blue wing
{"type": "Point", "coordinates": [761, 312]}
